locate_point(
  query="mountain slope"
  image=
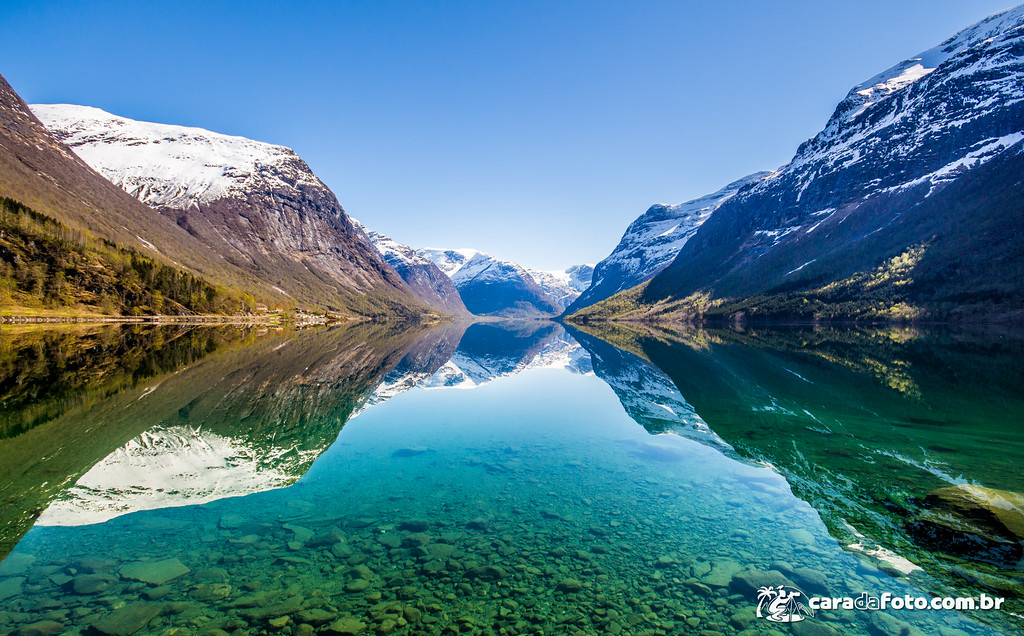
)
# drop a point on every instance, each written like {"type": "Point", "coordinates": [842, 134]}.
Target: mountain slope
{"type": "Point", "coordinates": [424, 278]}
{"type": "Point", "coordinates": [877, 184]}
{"type": "Point", "coordinates": [254, 206]}
{"type": "Point", "coordinates": [651, 242]}
{"type": "Point", "coordinates": [490, 286]}
{"type": "Point", "coordinates": [42, 173]}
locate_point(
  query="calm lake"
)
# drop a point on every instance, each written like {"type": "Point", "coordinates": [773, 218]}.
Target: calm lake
{"type": "Point", "coordinates": [513, 478]}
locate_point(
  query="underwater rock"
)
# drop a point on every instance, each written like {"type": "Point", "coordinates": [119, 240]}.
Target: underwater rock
{"type": "Point", "coordinates": [156, 593]}
{"type": "Point", "coordinates": [93, 565]}
{"type": "Point", "coordinates": [665, 562]}
{"type": "Point", "coordinates": [154, 572]}
{"type": "Point", "coordinates": [970, 518]}
{"type": "Point", "coordinates": [345, 627]}
{"type": "Point", "coordinates": [410, 452]}
{"type": "Point", "coordinates": [883, 624]}
{"type": "Point", "coordinates": [11, 587]}
{"type": "Point", "coordinates": [569, 586]}
{"type": "Point", "coordinates": [477, 524]}
{"type": "Point", "coordinates": [324, 539]}
{"type": "Point", "coordinates": [441, 551]}
{"type": "Point", "coordinates": [412, 615]}
{"type": "Point", "coordinates": [316, 616]}
{"type": "Point", "coordinates": [748, 582]}
{"type": "Point", "coordinates": [390, 540]}
{"type": "Point", "coordinates": [486, 573]}
{"type": "Point", "coordinates": [800, 536]}
{"type": "Point", "coordinates": [40, 628]}
{"type": "Point", "coordinates": [812, 627]}
{"type": "Point", "coordinates": [357, 585]}
{"type": "Point", "coordinates": [415, 525]}
{"type": "Point", "coordinates": [127, 620]}
{"type": "Point", "coordinates": [231, 521]}
{"type": "Point", "coordinates": [810, 580]}
{"type": "Point", "coordinates": [721, 573]}
{"type": "Point", "coordinates": [16, 563]}
{"type": "Point", "coordinates": [91, 583]}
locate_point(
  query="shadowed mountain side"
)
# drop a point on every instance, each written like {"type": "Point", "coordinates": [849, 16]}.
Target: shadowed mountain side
{"type": "Point", "coordinates": [864, 425]}
{"type": "Point", "coordinates": [279, 401]}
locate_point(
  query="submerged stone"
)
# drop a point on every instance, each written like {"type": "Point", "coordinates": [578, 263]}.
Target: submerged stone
{"type": "Point", "coordinates": [316, 616]}
{"type": "Point", "coordinates": [722, 571]}
{"type": "Point", "coordinates": [16, 563]}
{"type": "Point", "coordinates": [993, 515]}
{"type": "Point", "coordinates": [415, 525]}
{"type": "Point", "coordinates": [127, 620]}
{"type": "Point", "coordinates": [569, 586]}
{"type": "Point", "coordinates": [748, 582]}
{"type": "Point", "coordinates": [40, 628]}
{"type": "Point", "coordinates": [154, 572]}
{"type": "Point", "coordinates": [231, 521]}
{"type": "Point", "coordinates": [357, 585]}
{"type": "Point", "coordinates": [800, 536]}
{"type": "Point", "coordinates": [486, 573]}
{"type": "Point", "coordinates": [91, 583]}
{"type": "Point", "coordinates": [11, 587]}
{"type": "Point", "coordinates": [345, 627]}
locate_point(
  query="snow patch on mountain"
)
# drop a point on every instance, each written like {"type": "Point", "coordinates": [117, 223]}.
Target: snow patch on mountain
{"type": "Point", "coordinates": [167, 166]}
{"type": "Point", "coordinates": [866, 94]}
{"type": "Point", "coordinates": [564, 286]}
{"type": "Point", "coordinates": [450, 261]}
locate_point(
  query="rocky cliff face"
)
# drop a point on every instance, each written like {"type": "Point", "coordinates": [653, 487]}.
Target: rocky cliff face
{"type": "Point", "coordinates": [256, 206]}
{"type": "Point", "coordinates": [879, 180]}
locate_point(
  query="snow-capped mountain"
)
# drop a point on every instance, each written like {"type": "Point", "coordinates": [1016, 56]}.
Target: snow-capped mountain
{"type": "Point", "coordinates": [652, 241]}
{"type": "Point", "coordinates": [38, 170]}
{"type": "Point", "coordinates": [564, 286]}
{"type": "Point", "coordinates": [423, 277]}
{"type": "Point", "coordinates": [925, 155]}
{"type": "Point", "coordinates": [490, 286]}
{"type": "Point", "coordinates": [255, 205]}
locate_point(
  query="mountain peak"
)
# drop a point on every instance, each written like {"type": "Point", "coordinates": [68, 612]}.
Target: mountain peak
{"type": "Point", "coordinates": [168, 166]}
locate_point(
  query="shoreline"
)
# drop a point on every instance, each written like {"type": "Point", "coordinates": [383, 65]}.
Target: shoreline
{"type": "Point", "coordinates": [162, 319]}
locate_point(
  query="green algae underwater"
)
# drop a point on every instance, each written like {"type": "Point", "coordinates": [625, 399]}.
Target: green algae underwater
{"type": "Point", "coordinates": [514, 478]}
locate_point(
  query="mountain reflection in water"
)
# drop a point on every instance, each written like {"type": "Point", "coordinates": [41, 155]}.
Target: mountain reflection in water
{"type": "Point", "coordinates": [868, 427]}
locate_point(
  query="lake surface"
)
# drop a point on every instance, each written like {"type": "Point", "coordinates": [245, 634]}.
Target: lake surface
{"type": "Point", "coordinates": [505, 479]}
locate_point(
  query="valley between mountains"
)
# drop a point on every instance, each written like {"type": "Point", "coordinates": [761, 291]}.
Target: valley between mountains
{"type": "Point", "coordinates": [906, 207]}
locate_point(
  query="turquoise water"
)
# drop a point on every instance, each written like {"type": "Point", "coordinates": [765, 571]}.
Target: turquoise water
{"type": "Point", "coordinates": [510, 485]}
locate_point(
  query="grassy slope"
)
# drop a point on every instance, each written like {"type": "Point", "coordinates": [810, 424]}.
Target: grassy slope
{"type": "Point", "coordinates": [47, 266]}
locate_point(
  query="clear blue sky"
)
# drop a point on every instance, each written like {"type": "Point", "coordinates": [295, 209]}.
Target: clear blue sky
{"type": "Point", "coordinates": [533, 130]}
